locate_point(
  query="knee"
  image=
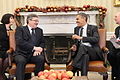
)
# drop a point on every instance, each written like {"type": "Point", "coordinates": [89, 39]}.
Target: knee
{"type": "Point", "coordinates": [21, 61]}
{"type": "Point", "coordinates": [40, 58]}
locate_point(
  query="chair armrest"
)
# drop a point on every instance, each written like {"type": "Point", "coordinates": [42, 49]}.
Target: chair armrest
{"type": "Point", "coordinates": [46, 59]}
{"type": "Point", "coordinates": [69, 56]}
{"type": "Point", "coordinates": [105, 52]}
{"type": "Point", "coordinates": [9, 52]}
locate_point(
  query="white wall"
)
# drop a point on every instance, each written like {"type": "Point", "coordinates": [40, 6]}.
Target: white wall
{"type": "Point", "coordinates": [10, 5]}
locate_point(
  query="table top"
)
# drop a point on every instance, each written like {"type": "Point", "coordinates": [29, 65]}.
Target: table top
{"type": "Point", "coordinates": [76, 78]}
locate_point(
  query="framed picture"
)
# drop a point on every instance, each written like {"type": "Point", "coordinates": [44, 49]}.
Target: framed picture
{"type": "Point", "coordinates": [117, 3]}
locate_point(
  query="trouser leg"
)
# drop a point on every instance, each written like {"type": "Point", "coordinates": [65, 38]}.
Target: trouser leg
{"type": "Point", "coordinates": [39, 63]}
{"type": "Point", "coordinates": [84, 68]}
{"type": "Point", "coordinates": [20, 67]}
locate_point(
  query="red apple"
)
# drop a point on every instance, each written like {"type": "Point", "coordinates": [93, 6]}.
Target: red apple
{"type": "Point", "coordinates": [65, 79]}
{"type": "Point", "coordinates": [51, 78]}
{"type": "Point", "coordinates": [40, 73]}
{"type": "Point", "coordinates": [64, 75]}
{"type": "Point", "coordinates": [59, 76]}
{"type": "Point", "coordinates": [42, 77]}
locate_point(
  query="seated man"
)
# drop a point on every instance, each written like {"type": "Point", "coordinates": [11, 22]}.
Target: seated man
{"type": "Point", "coordinates": [29, 46]}
{"type": "Point", "coordinates": [86, 45]}
{"type": "Point", "coordinates": [114, 54]}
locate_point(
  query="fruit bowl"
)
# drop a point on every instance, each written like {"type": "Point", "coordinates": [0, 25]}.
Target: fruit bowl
{"type": "Point", "coordinates": [54, 75]}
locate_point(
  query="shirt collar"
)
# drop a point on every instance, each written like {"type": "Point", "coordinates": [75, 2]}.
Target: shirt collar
{"type": "Point", "coordinates": [30, 29]}
{"type": "Point", "coordinates": [85, 26]}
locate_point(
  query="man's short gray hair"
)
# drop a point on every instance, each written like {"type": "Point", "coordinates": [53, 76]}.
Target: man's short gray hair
{"type": "Point", "coordinates": [30, 16]}
{"type": "Point", "coordinates": [83, 15]}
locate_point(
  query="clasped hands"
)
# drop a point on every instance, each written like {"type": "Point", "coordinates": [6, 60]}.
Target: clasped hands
{"type": "Point", "coordinates": [76, 37]}
{"type": "Point", "coordinates": [37, 51]}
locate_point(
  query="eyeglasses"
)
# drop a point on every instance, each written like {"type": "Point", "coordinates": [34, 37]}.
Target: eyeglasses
{"type": "Point", "coordinates": [35, 20]}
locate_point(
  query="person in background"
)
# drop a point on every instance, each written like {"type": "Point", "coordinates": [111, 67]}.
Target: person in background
{"type": "Point", "coordinates": [114, 54]}
{"type": "Point", "coordinates": [29, 46]}
{"type": "Point", "coordinates": [7, 20]}
{"type": "Point", "coordinates": [86, 45]}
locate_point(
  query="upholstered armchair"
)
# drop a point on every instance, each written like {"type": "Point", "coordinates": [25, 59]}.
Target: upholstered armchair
{"type": "Point", "coordinates": [96, 66]}
{"type": "Point", "coordinates": [12, 66]}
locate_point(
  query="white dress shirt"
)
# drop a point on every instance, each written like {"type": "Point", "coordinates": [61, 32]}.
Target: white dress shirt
{"type": "Point", "coordinates": [84, 34]}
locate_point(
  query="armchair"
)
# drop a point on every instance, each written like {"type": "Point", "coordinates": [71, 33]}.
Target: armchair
{"type": "Point", "coordinates": [12, 66]}
{"type": "Point", "coordinates": [96, 66]}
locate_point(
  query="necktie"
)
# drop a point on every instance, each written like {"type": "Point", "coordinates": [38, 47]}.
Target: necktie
{"type": "Point", "coordinates": [81, 31]}
{"type": "Point", "coordinates": [33, 37]}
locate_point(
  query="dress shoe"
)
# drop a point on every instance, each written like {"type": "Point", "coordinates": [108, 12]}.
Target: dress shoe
{"type": "Point", "coordinates": [74, 70]}
{"type": "Point", "coordinates": [84, 78]}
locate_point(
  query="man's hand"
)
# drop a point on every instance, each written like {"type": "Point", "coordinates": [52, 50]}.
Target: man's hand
{"type": "Point", "coordinates": [36, 53]}
{"type": "Point", "coordinates": [38, 49]}
{"type": "Point", "coordinates": [76, 37]}
{"type": "Point", "coordinates": [74, 48]}
{"type": "Point", "coordinates": [113, 36]}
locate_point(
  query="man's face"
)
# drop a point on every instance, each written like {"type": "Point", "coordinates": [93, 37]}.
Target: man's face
{"type": "Point", "coordinates": [33, 22]}
{"type": "Point", "coordinates": [117, 18]}
{"type": "Point", "coordinates": [80, 21]}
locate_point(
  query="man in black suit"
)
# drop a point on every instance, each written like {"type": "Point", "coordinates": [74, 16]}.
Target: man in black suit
{"type": "Point", "coordinates": [29, 46]}
{"type": "Point", "coordinates": [114, 54]}
{"type": "Point", "coordinates": [86, 45]}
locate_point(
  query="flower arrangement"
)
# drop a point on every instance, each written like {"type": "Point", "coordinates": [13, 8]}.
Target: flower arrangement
{"type": "Point", "coordinates": [102, 10]}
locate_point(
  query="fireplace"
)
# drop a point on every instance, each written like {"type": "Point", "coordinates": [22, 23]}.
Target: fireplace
{"type": "Point", "coordinates": [58, 28]}
{"type": "Point", "coordinates": [57, 48]}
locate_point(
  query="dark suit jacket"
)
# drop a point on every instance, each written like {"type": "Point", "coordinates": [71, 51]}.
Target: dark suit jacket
{"type": "Point", "coordinates": [92, 38]}
{"type": "Point", "coordinates": [117, 32]}
{"type": "Point", "coordinates": [23, 40]}
{"type": "Point", "coordinates": [4, 39]}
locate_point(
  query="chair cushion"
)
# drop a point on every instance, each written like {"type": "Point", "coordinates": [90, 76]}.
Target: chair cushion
{"type": "Point", "coordinates": [29, 68]}
{"type": "Point", "coordinates": [97, 66]}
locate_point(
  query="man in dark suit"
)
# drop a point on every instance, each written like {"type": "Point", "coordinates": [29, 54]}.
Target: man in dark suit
{"type": "Point", "coordinates": [114, 54]}
{"type": "Point", "coordinates": [29, 46]}
{"type": "Point", "coordinates": [86, 45]}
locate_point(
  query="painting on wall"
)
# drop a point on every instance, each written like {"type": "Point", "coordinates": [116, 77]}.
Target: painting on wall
{"type": "Point", "coordinates": [117, 3]}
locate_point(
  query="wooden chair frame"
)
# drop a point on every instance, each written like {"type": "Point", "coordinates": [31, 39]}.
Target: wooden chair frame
{"type": "Point", "coordinates": [96, 66]}
{"type": "Point", "coordinates": [12, 66]}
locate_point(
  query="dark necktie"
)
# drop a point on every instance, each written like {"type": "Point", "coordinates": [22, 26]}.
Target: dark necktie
{"type": "Point", "coordinates": [33, 37]}
{"type": "Point", "coordinates": [81, 31]}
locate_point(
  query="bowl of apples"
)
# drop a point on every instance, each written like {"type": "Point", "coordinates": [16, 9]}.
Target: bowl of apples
{"type": "Point", "coordinates": [53, 75]}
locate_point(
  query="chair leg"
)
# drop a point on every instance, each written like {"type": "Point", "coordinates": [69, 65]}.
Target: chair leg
{"type": "Point", "coordinates": [77, 73]}
{"type": "Point", "coordinates": [105, 76]}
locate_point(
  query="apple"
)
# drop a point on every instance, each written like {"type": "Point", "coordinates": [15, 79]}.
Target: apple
{"type": "Point", "coordinates": [64, 75]}
{"type": "Point", "coordinates": [59, 76]}
{"type": "Point", "coordinates": [46, 74]}
{"type": "Point", "coordinates": [40, 73]}
{"type": "Point", "coordinates": [69, 73]}
{"type": "Point", "coordinates": [52, 77]}
{"type": "Point", "coordinates": [65, 79]}
{"type": "Point", "coordinates": [42, 77]}
{"type": "Point", "coordinates": [45, 71]}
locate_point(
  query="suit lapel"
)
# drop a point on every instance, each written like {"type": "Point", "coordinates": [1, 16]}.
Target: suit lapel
{"type": "Point", "coordinates": [77, 30]}
{"type": "Point", "coordinates": [27, 31]}
{"type": "Point", "coordinates": [88, 30]}
{"type": "Point", "coordinates": [37, 34]}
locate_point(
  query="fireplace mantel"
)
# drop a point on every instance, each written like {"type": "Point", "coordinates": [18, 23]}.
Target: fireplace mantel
{"type": "Point", "coordinates": [59, 22]}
